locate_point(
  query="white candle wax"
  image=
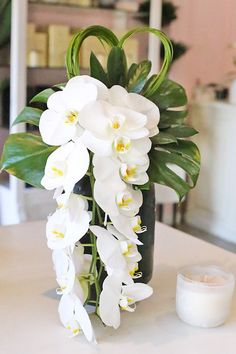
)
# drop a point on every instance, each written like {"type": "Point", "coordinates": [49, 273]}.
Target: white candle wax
{"type": "Point", "coordinates": [204, 295]}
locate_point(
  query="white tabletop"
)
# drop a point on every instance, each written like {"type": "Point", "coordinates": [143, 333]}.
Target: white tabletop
{"type": "Point", "coordinates": [28, 308]}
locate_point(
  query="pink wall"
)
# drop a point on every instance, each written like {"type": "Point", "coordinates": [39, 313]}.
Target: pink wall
{"type": "Point", "coordinates": [207, 27]}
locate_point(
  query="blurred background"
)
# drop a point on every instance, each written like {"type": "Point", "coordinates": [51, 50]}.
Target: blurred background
{"type": "Point", "coordinates": [34, 36]}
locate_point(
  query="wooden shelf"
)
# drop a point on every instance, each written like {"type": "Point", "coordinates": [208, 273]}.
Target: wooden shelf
{"type": "Point", "coordinates": [45, 76]}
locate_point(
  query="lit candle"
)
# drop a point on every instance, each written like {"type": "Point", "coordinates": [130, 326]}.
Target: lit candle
{"type": "Point", "coordinates": [204, 295]}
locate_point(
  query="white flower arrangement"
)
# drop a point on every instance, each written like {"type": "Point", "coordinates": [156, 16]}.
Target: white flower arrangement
{"type": "Point", "coordinates": [111, 129]}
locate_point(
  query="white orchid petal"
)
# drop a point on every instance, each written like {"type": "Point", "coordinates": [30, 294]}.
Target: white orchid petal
{"type": "Point", "coordinates": [77, 165]}
{"type": "Point", "coordinates": [56, 102]}
{"type": "Point", "coordinates": [97, 146]}
{"type": "Point", "coordinates": [108, 248]}
{"type": "Point", "coordinates": [53, 129]}
{"type": "Point", "coordinates": [105, 194]}
{"type": "Point", "coordinates": [62, 232]}
{"type": "Point", "coordinates": [95, 118]}
{"type": "Point", "coordinates": [137, 291]}
{"type": "Point", "coordinates": [78, 95]}
{"type": "Point", "coordinates": [65, 270]}
{"type": "Point", "coordinates": [82, 317]}
{"type": "Point", "coordinates": [74, 316]}
{"type": "Point", "coordinates": [105, 168]}
{"type": "Point", "coordinates": [109, 302]}
{"type": "Point", "coordinates": [85, 79]}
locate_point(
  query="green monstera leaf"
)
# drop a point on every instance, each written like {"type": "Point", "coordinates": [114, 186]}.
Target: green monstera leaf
{"type": "Point", "coordinates": [24, 156]}
{"type": "Point", "coordinates": [184, 154]}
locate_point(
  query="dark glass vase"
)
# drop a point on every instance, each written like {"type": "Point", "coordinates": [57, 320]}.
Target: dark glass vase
{"type": "Point", "coordinates": [147, 213]}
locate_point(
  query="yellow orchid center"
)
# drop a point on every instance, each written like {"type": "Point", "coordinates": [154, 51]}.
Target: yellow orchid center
{"type": "Point", "coordinates": [128, 172]}
{"type": "Point", "coordinates": [124, 200]}
{"type": "Point", "coordinates": [117, 121]}
{"type": "Point", "coordinates": [75, 330]}
{"type": "Point", "coordinates": [132, 271]}
{"type": "Point", "coordinates": [125, 303]}
{"type": "Point", "coordinates": [136, 223]}
{"type": "Point", "coordinates": [71, 117]}
{"type": "Point", "coordinates": [57, 172]}
{"type": "Point", "coordinates": [122, 144]}
{"type": "Point", "coordinates": [58, 234]}
{"type": "Point", "coordinates": [127, 249]}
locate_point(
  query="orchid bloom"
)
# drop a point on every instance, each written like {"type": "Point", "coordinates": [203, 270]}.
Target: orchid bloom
{"type": "Point", "coordinates": [61, 121]}
{"type": "Point", "coordinates": [115, 198]}
{"type": "Point", "coordinates": [117, 95]}
{"type": "Point", "coordinates": [119, 255]}
{"type": "Point", "coordinates": [71, 270]}
{"type": "Point", "coordinates": [65, 270]}
{"type": "Point", "coordinates": [74, 317]}
{"type": "Point", "coordinates": [111, 193]}
{"type": "Point", "coordinates": [113, 122]}
{"type": "Point", "coordinates": [62, 231]}
{"type": "Point", "coordinates": [115, 297]}
{"type": "Point", "coordinates": [66, 166]}
{"type": "Point", "coordinates": [74, 204]}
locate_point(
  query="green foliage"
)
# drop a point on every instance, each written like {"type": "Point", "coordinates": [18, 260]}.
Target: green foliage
{"type": "Point", "coordinates": [117, 67]}
{"type": "Point", "coordinates": [24, 156]}
{"type": "Point", "coordinates": [43, 96]}
{"type": "Point", "coordinates": [29, 115]}
{"type": "Point", "coordinates": [96, 70]}
{"type": "Point", "coordinates": [154, 81]}
{"type": "Point", "coordinates": [184, 154]}
{"type": "Point", "coordinates": [137, 76]}
{"type": "Point", "coordinates": [72, 58]}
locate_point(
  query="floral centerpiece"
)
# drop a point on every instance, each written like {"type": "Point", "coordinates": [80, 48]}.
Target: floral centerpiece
{"type": "Point", "coordinates": [120, 131]}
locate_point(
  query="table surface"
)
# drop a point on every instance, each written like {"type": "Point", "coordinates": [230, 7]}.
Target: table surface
{"type": "Point", "coordinates": [28, 307]}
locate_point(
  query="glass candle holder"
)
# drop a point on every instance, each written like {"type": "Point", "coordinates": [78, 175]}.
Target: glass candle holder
{"type": "Point", "coordinates": [204, 295]}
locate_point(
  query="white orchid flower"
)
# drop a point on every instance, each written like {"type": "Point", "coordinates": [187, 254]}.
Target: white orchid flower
{"type": "Point", "coordinates": [74, 204]}
{"type": "Point", "coordinates": [113, 121]}
{"type": "Point", "coordinates": [116, 199]}
{"type": "Point", "coordinates": [127, 226]}
{"type": "Point", "coordinates": [65, 270]}
{"type": "Point", "coordinates": [115, 297]}
{"type": "Point", "coordinates": [82, 264]}
{"type": "Point", "coordinates": [74, 317]}
{"type": "Point", "coordinates": [120, 256]}
{"type": "Point", "coordinates": [63, 232]}
{"type": "Point", "coordinates": [112, 194]}
{"type": "Point", "coordinates": [71, 270]}
{"type": "Point", "coordinates": [132, 173]}
{"type": "Point", "coordinates": [119, 96]}
{"type": "Point", "coordinates": [61, 121]}
{"type": "Point", "coordinates": [66, 166]}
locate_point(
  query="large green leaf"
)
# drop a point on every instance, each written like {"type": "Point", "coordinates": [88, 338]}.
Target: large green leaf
{"type": "Point", "coordinates": [29, 115]}
{"type": "Point", "coordinates": [171, 117]}
{"type": "Point", "coordinates": [43, 96]}
{"type": "Point", "coordinates": [24, 156]}
{"type": "Point", "coordinates": [137, 76]}
{"type": "Point", "coordinates": [96, 70]}
{"type": "Point", "coordinates": [186, 155]}
{"type": "Point", "coordinates": [181, 131]}
{"type": "Point", "coordinates": [170, 94]}
{"type": "Point", "coordinates": [163, 138]}
{"type": "Point", "coordinates": [117, 67]}
{"type": "Point", "coordinates": [171, 99]}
